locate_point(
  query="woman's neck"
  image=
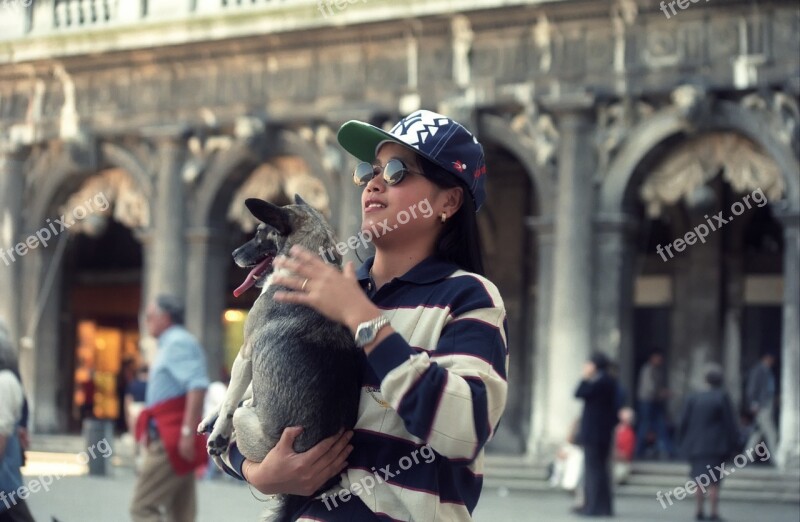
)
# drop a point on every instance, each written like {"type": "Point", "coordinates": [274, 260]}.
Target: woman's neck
{"type": "Point", "coordinates": [389, 264]}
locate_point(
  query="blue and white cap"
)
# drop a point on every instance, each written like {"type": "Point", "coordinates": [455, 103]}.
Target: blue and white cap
{"type": "Point", "coordinates": [433, 136]}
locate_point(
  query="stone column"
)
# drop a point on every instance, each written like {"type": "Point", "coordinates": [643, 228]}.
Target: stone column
{"type": "Point", "coordinates": [12, 190]}
{"type": "Point", "coordinates": [168, 263]}
{"type": "Point", "coordinates": [789, 430]}
{"type": "Point", "coordinates": [543, 228]}
{"type": "Point", "coordinates": [571, 316]}
{"type": "Point", "coordinates": [732, 325]}
{"type": "Point", "coordinates": [205, 295]}
{"type": "Point", "coordinates": [613, 293]}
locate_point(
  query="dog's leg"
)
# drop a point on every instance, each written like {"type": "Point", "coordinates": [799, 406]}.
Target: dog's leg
{"type": "Point", "coordinates": [241, 377]}
{"type": "Point", "coordinates": [250, 437]}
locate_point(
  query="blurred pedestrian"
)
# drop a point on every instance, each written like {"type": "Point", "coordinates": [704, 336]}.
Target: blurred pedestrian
{"type": "Point", "coordinates": [760, 393]}
{"type": "Point", "coordinates": [174, 403]}
{"type": "Point", "coordinates": [652, 394]}
{"type": "Point", "coordinates": [12, 507]}
{"type": "Point", "coordinates": [624, 445]}
{"type": "Point", "coordinates": [599, 393]}
{"type": "Point", "coordinates": [708, 435]}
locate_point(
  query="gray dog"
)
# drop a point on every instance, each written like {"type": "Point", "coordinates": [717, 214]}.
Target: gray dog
{"type": "Point", "coordinates": [295, 368]}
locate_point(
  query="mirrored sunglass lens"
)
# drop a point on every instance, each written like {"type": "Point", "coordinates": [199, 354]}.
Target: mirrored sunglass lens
{"type": "Point", "coordinates": [363, 173]}
{"type": "Point", "coordinates": [394, 172]}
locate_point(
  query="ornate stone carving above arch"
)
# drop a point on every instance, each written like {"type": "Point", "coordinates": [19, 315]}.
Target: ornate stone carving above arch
{"type": "Point", "coordinates": [692, 164]}
{"type": "Point", "coordinates": [619, 187]}
{"type": "Point", "coordinates": [277, 182]}
{"type": "Point", "coordinates": [111, 194]}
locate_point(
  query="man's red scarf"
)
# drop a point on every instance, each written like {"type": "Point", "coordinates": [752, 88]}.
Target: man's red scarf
{"type": "Point", "coordinates": [169, 419]}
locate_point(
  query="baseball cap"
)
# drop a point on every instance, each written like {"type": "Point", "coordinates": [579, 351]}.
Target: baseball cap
{"type": "Point", "coordinates": [439, 139]}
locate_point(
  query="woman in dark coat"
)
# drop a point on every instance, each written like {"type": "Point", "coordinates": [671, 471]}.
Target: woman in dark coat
{"type": "Point", "coordinates": [598, 390]}
{"type": "Point", "coordinates": [708, 435]}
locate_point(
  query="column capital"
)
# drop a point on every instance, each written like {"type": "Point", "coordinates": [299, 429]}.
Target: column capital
{"type": "Point", "coordinates": [572, 104]}
{"type": "Point", "coordinates": [618, 223]}
{"type": "Point", "coordinates": [176, 133]}
{"type": "Point", "coordinates": [205, 235]}
{"type": "Point", "coordinates": [787, 218]}
{"type": "Point", "coordinates": [542, 225]}
{"type": "Point", "coordinates": [16, 151]}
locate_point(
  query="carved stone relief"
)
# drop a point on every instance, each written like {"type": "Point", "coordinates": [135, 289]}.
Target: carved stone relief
{"type": "Point", "coordinates": [614, 123]}
{"type": "Point", "coordinates": [277, 182]}
{"type": "Point", "coordinates": [692, 164]}
{"type": "Point", "coordinates": [127, 205]}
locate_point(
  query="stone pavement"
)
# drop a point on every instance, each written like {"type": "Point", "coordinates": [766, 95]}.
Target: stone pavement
{"type": "Point", "coordinates": [106, 499]}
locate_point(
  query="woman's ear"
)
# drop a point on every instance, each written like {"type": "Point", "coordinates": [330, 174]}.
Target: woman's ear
{"type": "Point", "coordinates": [453, 198]}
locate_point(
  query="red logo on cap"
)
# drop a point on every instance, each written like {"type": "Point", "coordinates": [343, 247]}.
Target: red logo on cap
{"type": "Point", "coordinates": [459, 166]}
{"type": "Point", "coordinates": [480, 171]}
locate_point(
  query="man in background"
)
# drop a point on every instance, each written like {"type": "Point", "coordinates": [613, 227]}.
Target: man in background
{"type": "Point", "coordinates": [652, 394]}
{"type": "Point", "coordinates": [174, 403]}
{"type": "Point", "coordinates": [761, 400]}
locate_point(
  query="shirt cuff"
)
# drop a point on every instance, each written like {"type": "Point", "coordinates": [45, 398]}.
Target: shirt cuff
{"type": "Point", "coordinates": [389, 354]}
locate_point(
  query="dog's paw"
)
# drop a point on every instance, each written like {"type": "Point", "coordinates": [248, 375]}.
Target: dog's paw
{"type": "Point", "coordinates": [217, 445]}
{"type": "Point", "coordinates": [207, 424]}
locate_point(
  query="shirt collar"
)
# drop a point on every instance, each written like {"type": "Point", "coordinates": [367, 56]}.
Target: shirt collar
{"type": "Point", "coordinates": [429, 270]}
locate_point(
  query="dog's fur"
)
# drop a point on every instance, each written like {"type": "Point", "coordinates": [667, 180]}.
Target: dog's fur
{"type": "Point", "coordinates": [304, 368]}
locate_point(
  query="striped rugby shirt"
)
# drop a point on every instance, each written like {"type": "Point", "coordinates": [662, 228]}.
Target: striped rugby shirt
{"type": "Point", "coordinates": [440, 381]}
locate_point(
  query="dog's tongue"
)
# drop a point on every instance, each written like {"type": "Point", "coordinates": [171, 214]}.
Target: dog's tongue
{"type": "Point", "coordinates": [252, 277]}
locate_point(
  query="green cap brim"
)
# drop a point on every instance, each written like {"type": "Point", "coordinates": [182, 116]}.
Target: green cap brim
{"type": "Point", "coordinates": [362, 139]}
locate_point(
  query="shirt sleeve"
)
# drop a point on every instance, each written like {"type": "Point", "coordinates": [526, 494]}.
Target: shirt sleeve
{"type": "Point", "coordinates": [11, 403]}
{"type": "Point", "coordinates": [453, 397]}
{"type": "Point", "coordinates": [189, 365]}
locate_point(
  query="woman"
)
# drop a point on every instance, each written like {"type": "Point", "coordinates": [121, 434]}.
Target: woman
{"type": "Point", "coordinates": [12, 507]}
{"type": "Point", "coordinates": [435, 383]}
{"type": "Point", "coordinates": [708, 435]}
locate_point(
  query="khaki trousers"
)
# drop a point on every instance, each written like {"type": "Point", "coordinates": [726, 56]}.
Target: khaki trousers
{"type": "Point", "coordinates": [160, 494]}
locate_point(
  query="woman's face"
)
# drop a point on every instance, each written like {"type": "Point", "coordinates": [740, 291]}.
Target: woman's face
{"type": "Point", "coordinates": [405, 211]}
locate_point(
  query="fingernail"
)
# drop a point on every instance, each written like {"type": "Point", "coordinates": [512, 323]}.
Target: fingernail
{"type": "Point", "coordinates": [349, 448]}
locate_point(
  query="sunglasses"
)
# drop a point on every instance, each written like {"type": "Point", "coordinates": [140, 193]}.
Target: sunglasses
{"type": "Point", "coordinates": [393, 172]}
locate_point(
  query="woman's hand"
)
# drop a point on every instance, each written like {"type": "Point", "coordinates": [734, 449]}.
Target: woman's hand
{"type": "Point", "coordinates": [285, 472]}
{"type": "Point", "coordinates": [336, 295]}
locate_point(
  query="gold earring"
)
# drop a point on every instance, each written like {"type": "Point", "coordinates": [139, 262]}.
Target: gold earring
{"type": "Point", "coordinates": [444, 217]}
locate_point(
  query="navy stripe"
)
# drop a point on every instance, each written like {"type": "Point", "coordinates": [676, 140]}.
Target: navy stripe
{"type": "Point", "coordinates": [460, 294]}
{"type": "Point", "coordinates": [372, 452]}
{"type": "Point", "coordinates": [474, 338]}
{"type": "Point", "coordinates": [416, 407]}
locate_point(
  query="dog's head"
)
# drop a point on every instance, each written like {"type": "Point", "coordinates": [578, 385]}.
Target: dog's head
{"type": "Point", "coordinates": [279, 230]}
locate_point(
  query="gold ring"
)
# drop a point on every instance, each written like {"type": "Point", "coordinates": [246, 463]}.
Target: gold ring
{"type": "Point", "coordinates": [303, 288]}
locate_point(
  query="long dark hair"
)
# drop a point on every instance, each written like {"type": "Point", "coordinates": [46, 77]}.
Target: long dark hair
{"type": "Point", "coordinates": [459, 241]}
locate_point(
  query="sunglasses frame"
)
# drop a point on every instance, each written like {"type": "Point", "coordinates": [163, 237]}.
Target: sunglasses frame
{"type": "Point", "coordinates": [388, 179]}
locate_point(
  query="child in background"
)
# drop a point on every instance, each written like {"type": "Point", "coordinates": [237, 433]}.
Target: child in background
{"type": "Point", "coordinates": [624, 446]}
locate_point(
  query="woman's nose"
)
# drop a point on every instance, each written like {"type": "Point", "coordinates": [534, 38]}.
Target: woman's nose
{"type": "Point", "coordinates": [376, 184]}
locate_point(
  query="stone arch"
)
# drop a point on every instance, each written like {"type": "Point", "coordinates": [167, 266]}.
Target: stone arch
{"type": "Point", "coordinates": [495, 129]}
{"type": "Point", "coordinates": [67, 171]}
{"type": "Point", "coordinates": [726, 116]}
{"type": "Point", "coordinates": [245, 156]}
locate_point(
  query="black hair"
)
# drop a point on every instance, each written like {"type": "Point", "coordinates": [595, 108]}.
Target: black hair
{"type": "Point", "coordinates": [172, 306]}
{"type": "Point", "coordinates": [714, 375]}
{"type": "Point", "coordinates": [600, 360]}
{"type": "Point", "coordinates": [459, 241]}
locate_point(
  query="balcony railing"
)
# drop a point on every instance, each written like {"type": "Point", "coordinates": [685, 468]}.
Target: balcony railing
{"type": "Point", "coordinates": [82, 13]}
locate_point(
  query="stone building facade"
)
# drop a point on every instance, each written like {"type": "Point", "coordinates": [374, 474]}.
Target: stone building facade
{"type": "Point", "coordinates": [611, 130]}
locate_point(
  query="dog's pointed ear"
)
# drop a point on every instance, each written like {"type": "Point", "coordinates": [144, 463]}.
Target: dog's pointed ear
{"type": "Point", "coordinates": [300, 201]}
{"type": "Point", "coordinates": [270, 214]}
